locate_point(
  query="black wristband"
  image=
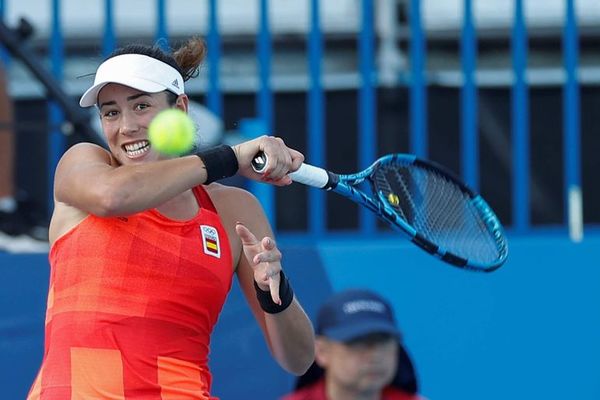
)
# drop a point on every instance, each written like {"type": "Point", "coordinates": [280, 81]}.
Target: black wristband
{"type": "Point", "coordinates": [286, 294]}
{"type": "Point", "coordinates": [220, 162]}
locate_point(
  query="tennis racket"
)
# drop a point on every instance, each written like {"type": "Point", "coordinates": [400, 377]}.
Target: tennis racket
{"type": "Point", "coordinates": [420, 198]}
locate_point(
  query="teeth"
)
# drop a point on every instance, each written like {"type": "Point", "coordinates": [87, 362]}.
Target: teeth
{"type": "Point", "coordinates": [135, 153]}
{"type": "Point", "coordinates": [136, 146]}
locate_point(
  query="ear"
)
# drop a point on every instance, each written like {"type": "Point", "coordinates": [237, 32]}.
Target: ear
{"type": "Point", "coordinates": [322, 351]}
{"type": "Point", "coordinates": [182, 102]}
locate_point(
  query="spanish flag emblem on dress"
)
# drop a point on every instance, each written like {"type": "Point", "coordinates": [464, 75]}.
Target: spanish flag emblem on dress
{"type": "Point", "coordinates": [210, 241]}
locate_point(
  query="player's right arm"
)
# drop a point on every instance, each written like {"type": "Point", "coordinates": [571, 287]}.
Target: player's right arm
{"type": "Point", "coordinates": [89, 179]}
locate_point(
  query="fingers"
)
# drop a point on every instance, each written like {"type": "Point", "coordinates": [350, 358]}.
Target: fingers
{"type": "Point", "coordinates": [297, 160]}
{"type": "Point", "coordinates": [269, 254]}
{"type": "Point", "coordinates": [281, 159]}
{"type": "Point", "coordinates": [274, 282]}
{"type": "Point", "coordinates": [267, 257]}
{"type": "Point", "coordinates": [247, 237]}
{"type": "Point", "coordinates": [272, 278]}
{"type": "Point", "coordinates": [284, 181]}
{"type": "Point", "coordinates": [268, 243]}
{"type": "Point", "coordinates": [265, 260]}
{"type": "Point", "coordinates": [267, 251]}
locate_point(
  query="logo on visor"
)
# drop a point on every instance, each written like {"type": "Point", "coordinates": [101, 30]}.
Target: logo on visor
{"type": "Point", "coordinates": [175, 83]}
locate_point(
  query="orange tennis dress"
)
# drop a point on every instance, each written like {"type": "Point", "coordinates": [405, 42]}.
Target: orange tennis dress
{"type": "Point", "coordinates": [131, 306]}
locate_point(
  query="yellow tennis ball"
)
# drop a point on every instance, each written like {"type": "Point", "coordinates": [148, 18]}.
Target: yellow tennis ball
{"type": "Point", "coordinates": [172, 132]}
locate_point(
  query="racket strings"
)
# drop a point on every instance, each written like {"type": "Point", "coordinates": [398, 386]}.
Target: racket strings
{"type": "Point", "coordinates": [462, 228]}
{"type": "Point", "coordinates": [439, 209]}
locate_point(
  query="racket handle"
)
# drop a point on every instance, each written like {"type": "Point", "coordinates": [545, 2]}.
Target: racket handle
{"type": "Point", "coordinates": [307, 174]}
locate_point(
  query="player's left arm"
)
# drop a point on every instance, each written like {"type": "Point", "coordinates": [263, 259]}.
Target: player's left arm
{"type": "Point", "coordinates": [288, 333]}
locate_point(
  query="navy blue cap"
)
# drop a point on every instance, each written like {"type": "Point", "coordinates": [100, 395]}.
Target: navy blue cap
{"type": "Point", "coordinates": [355, 313]}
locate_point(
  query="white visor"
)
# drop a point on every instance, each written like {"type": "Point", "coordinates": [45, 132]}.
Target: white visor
{"type": "Point", "coordinates": [137, 71]}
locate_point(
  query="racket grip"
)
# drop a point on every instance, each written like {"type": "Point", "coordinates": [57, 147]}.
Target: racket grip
{"type": "Point", "coordinates": [307, 174]}
{"type": "Point", "coordinates": [312, 176]}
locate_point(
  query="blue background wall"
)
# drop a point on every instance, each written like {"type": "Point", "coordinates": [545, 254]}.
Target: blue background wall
{"type": "Point", "coordinates": [530, 330]}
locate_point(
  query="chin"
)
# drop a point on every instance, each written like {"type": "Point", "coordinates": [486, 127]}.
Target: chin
{"type": "Point", "coordinates": [374, 381]}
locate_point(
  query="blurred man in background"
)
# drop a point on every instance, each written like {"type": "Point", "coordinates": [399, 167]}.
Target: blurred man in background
{"type": "Point", "coordinates": [358, 353]}
{"type": "Point", "coordinates": [19, 233]}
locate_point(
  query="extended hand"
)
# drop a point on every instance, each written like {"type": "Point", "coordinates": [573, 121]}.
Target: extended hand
{"type": "Point", "coordinates": [264, 257]}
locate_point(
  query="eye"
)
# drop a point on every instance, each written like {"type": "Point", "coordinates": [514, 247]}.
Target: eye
{"type": "Point", "coordinates": [109, 113]}
{"type": "Point", "coordinates": [141, 106]}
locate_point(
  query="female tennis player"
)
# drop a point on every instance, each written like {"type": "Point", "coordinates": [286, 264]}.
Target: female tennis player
{"type": "Point", "coordinates": [144, 247]}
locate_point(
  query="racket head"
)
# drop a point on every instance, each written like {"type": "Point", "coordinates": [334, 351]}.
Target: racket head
{"type": "Point", "coordinates": [436, 210]}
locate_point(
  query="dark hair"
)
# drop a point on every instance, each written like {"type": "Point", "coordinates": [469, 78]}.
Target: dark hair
{"type": "Point", "coordinates": [186, 59]}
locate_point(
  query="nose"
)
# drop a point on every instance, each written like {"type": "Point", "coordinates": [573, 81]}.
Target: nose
{"type": "Point", "coordinates": [128, 123]}
{"type": "Point", "coordinates": [372, 351]}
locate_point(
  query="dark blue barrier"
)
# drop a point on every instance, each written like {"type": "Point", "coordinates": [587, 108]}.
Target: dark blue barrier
{"type": "Point", "coordinates": [23, 294]}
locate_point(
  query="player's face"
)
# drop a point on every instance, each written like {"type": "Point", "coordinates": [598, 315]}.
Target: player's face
{"type": "Point", "coordinates": [359, 367]}
{"type": "Point", "coordinates": [125, 114]}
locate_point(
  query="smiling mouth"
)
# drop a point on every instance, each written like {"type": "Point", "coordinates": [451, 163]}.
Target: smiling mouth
{"type": "Point", "coordinates": [136, 149]}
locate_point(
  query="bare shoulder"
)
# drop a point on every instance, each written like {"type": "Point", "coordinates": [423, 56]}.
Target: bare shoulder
{"type": "Point", "coordinates": [238, 205]}
{"type": "Point", "coordinates": [86, 147]}
{"type": "Point", "coordinates": [233, 201]}
{"type": "Point", "coordinates": [86, 152]}
{"type": "Point", "coordinates": [218, 189]}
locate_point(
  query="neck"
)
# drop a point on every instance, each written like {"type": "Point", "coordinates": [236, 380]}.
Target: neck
{"type": "Point", "coordinates": [181, 208]}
